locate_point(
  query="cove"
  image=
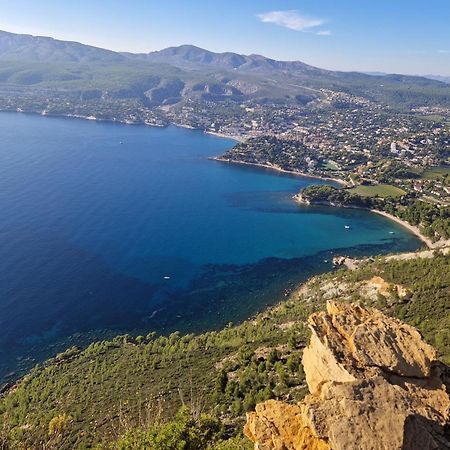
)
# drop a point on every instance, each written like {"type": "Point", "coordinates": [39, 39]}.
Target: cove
{"type": "Point", "coordinates": [108, 229]}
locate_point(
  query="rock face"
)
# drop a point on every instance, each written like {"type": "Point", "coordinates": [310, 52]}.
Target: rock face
{"type": "Point", "coordinates": [374, 384]}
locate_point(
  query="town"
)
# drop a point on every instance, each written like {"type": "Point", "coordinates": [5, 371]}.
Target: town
{"type": "Point", "coordinates": [343, 137]}
{"type": "Point", "coordinates": [377, 149]}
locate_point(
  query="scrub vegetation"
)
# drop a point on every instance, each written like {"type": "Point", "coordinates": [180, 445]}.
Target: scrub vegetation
{"type": "Point", "coordinates": [148, 391]}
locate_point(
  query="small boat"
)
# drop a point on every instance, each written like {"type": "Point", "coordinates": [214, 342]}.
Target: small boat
{"type": "Point", "coordinates": [121, 142]}
{"type": "Point", "coordinates": [391, 232]}
{"type": "Point", "coordinates": [347, 227]}
{"type": "Point", "coordinates": [167, 278]}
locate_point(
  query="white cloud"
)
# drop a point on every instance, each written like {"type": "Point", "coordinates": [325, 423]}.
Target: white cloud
{"type": "Point", "coordinates": [291, 19]}
{"type": "Point", "coordinates": [443, 51]}
{"type": "Point", "coordinates": [324, 33]}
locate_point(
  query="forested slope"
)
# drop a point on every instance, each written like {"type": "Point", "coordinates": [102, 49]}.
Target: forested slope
{"type": "Point", "coordinates": [132, 384]}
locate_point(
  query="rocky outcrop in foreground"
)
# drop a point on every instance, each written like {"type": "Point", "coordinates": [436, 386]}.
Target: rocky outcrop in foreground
{"type": "Point", "coordinates": [374, 384]}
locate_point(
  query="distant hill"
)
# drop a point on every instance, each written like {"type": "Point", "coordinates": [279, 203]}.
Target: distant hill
{"type": "Point", "coordinates": [191, 57]}
{"type": "Point", "coordinates": [438, 78]}
{"type": "Point", "coordinates": [24, 47]}
{"type": "Point", "coordinates": [442, 78]}
{"type": "Point", "coordinates": [35, 65]}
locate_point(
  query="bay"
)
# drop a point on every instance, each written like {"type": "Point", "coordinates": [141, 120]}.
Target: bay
{"type": "Point", "coordinates": [108, 229]}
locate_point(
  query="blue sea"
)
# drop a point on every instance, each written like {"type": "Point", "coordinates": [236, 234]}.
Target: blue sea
{"type": "Point", "coordinates": [108, 229]}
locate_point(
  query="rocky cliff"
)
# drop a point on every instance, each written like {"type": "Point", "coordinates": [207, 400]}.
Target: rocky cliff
{"type": "Point", "coordinates": [374, 384]}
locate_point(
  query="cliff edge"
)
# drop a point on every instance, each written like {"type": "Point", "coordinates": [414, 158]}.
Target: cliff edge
{"type": "Point", "coordinates": [374, 384]}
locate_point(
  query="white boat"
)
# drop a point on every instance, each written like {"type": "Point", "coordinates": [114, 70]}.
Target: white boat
{"type": "Point", "coordinates": [347, 227]}
{"type": "Point", "coordinates": [167, 278]}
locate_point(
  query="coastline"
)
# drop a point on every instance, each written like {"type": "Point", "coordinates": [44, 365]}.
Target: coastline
{"type": "Point", "coordinates": [279, 169]}
{"type": "Point", "coordinates": [85, 118]}
{"type": "Point", "coordinates": [415, 230]}
{"type": "Point", "coordinates": [236, 138]}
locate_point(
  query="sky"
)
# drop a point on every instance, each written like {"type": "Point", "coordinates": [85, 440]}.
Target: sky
{"type": "Point", "coordinates": [394, 36]}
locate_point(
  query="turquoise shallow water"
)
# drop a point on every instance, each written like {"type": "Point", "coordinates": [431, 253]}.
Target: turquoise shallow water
{"type": "Point", "coordinates": [96, 216]}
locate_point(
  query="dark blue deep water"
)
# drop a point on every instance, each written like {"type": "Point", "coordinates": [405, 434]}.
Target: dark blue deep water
{"type": "Point", "coordinates": [94, 216]}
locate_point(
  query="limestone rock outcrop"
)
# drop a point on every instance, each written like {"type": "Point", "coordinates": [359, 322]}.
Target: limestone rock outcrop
{"type": "Point", "coordinates": [374, 384]}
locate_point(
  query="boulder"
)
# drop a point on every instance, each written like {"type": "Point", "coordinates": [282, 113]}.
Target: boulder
{"type": "Point", "coordinates": [374, 384]}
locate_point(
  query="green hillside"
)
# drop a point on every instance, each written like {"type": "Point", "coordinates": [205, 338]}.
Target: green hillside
{"type": "Point", "coordinates": [129, 385]}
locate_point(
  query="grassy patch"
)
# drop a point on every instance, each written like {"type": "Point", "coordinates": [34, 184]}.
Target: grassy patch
{"type": "Point", "coordinates": [436, 172]}
{"type": "Point", "coordinates": [433, 118]}
{"type": "Point", "coordinates": [330, 165]}
{"type": "Point", "coordinates": [382, 190]}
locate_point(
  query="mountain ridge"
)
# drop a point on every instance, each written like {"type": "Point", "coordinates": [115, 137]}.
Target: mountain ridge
{"type": "Point", "coordinates": [46, 75]}
{"type": "Point", "coordinates": [20, 47]}
{"type": "Point", "coordinates": [188, 55]}
{"type": "Point", "coordinates": [27, 47]}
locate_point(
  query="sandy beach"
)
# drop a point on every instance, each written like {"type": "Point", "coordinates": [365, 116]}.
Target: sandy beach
{"type": "Point", "coordinates": [415, 230]}
{"type": "Point", "coordinates": [236, 138]}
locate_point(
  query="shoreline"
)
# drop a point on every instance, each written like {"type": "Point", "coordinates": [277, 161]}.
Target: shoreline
{"type": "Point", "coordinates": [279, 169]}
{"type": "Point", "coordinates": [236, 138]}
{"type": "Point", "coordinates": [415, 230]}
{"type": "Point", "coordinates": [86, 118]}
